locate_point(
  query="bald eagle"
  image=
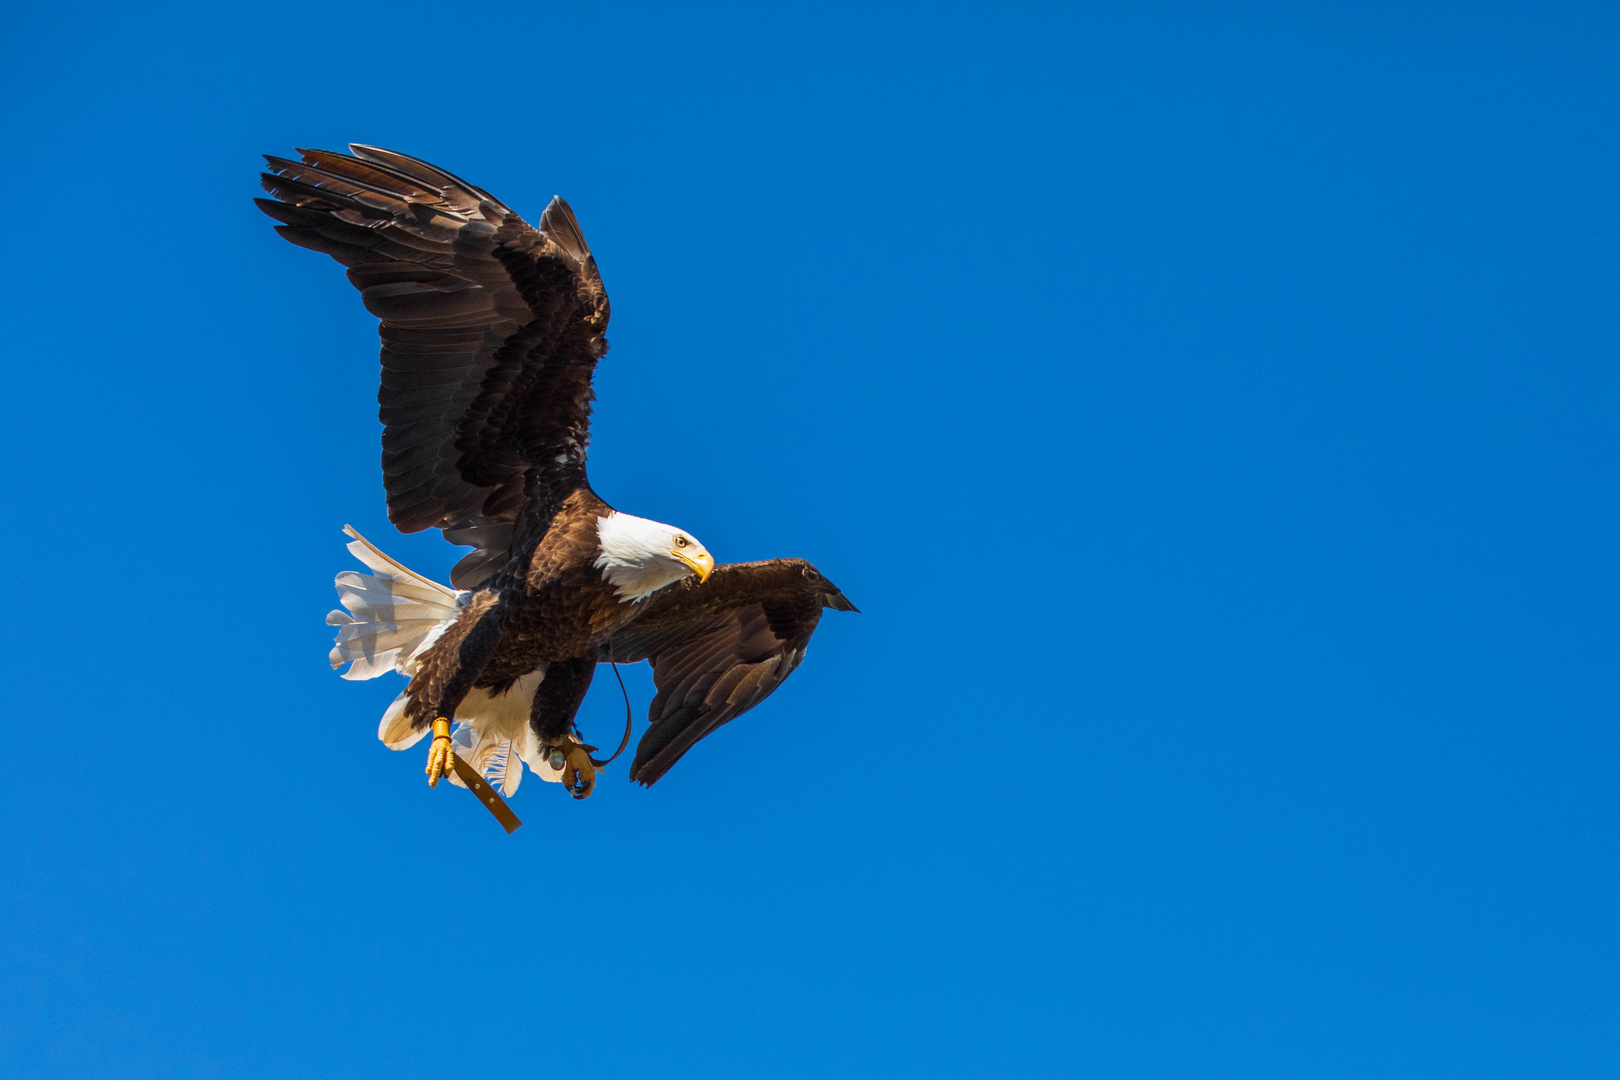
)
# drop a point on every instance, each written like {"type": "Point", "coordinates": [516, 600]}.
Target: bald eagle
{"type": "Point", "coordinates": [491, 331]}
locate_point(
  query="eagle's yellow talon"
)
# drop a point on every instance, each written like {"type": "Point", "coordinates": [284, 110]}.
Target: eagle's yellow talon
{"type": "Point", "coordinates": [438, 762]}
{"type": "Point", "coordinates": [579, 772]}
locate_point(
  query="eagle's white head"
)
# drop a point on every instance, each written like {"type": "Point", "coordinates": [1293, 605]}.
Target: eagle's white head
{"type": "Point", "coordinates": [639, 557]}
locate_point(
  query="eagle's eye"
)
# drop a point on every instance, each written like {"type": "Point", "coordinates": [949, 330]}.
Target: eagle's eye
{"type": "Point", "coordinates": [680, 541]}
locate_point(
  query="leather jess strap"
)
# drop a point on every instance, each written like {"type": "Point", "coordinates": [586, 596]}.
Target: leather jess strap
{"type": "Point", "coordinates": [486, 794]}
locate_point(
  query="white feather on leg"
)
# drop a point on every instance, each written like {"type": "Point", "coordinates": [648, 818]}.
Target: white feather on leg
{"type": "Point", "coordinates": [493, 736]}
{"type": "Point", "coordinates": [394, 615]}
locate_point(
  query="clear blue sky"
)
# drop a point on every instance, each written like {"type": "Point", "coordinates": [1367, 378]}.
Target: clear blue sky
{"type": "Point", "coordinates": [1211, 407]}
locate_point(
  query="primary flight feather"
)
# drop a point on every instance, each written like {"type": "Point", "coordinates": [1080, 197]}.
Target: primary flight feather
{"type": "Point", "coordinates": [491, 331]}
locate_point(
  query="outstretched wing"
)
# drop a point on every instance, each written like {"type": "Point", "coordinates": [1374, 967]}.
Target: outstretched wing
{"type": "Point", "coordinates": [491, 330]}
{"type": "Point", "coordinates": [719, 648]}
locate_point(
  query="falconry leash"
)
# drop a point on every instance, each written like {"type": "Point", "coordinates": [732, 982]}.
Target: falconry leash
{"type": "Point", "coordinates": [486, 794]}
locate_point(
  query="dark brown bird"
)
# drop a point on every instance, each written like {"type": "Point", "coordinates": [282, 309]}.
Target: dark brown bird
{"type": "Point", "coordinates": [491, 332]}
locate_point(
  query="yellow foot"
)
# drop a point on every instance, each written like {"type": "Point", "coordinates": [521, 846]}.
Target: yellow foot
{"type": "Point", "coordinates": [439, 752]}
{"type": "Point", "coordinates": [573, 758]}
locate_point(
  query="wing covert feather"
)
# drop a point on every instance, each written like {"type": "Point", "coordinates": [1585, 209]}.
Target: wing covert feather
{"type": "Point", "coordinates": [718, 648]}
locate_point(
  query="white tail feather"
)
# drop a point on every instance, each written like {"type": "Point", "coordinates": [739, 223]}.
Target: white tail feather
{"type": "Point", "coordinates": [389, 619]}
{"type": "Point", "coordinates": [392, 616]}
{"type": "Point", "coordinates": [395, 731]}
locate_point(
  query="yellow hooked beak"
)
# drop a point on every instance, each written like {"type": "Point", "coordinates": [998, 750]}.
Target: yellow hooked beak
{"type": "Point", "coordinates": [702, 563]}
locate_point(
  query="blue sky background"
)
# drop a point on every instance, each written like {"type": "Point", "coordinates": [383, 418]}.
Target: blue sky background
{"type": "Point", "coordinates": [1211, 407]}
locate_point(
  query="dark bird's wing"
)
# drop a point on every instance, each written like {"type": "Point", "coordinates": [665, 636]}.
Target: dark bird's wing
{"type": "Point", "coordinates": [491, 330]}
{"type": "Point", "coordinates": [719, 648]}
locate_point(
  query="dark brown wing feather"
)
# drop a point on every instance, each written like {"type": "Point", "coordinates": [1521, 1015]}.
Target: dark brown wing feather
{"type": "Point", "coordinates": [490, 329]}
{"type": "Point", "coordinates": [719, 648]}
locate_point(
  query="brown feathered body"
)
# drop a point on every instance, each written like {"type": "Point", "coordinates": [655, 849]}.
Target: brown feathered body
{"type": "Point", "coordinates": [549, 606]}
{"type": "Point", "coordinates": [491, 330]}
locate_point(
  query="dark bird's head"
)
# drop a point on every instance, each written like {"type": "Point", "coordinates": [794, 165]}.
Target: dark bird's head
{"type": "Point", "coordinates": [831, 595]}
